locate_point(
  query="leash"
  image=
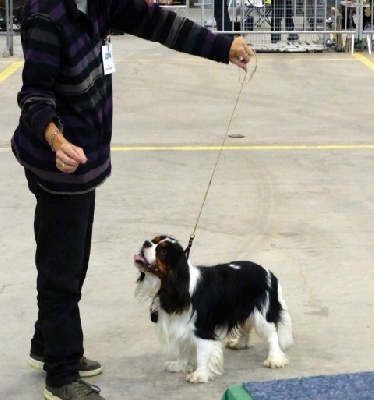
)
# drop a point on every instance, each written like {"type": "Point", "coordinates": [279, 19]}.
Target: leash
{"type": "Point", "coordinates": [192, 236]}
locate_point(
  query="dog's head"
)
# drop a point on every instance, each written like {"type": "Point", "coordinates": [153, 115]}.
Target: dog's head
{"type": "Point", "coordinates": [157, 256]}
{"type": "Point", "coordinates": [164, 258]}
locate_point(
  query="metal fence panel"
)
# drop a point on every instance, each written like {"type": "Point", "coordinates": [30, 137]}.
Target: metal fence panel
{"type": "Point", "coordinates": [10, 12]}
{"type": "Point", "coordinates": [7, 24]}
{"type": "Point", "coordinates": [294, 25]}
{"type": "Point", "coordinates": [269, 25]}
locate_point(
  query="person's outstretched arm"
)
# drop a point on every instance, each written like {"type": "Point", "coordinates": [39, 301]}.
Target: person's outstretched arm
{"type": "Point", "coordinates": [158, 24]}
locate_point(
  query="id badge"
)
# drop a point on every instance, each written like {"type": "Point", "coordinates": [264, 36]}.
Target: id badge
{"type": "Point", "coordinates": [108, 60]}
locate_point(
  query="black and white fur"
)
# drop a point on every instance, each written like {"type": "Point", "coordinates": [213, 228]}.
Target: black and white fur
{"type": "Point", "coordinates": [199, 309]}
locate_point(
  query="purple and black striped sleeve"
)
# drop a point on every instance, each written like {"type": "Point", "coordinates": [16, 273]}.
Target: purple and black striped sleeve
{"type": "Point", "coordinates": [41, 43]}
{"type": "Point", "coordinates": [162, 25]}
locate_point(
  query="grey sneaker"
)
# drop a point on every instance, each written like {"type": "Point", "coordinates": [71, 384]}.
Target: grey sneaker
{"type": "Point", "coordinates": [292, 37]}
{"type": "Point", "coordinates": [87, 368]}
{"type": "Point", "coordinates": [78, 390]}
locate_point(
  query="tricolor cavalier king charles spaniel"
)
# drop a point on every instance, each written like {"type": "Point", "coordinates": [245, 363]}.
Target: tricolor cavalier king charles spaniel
{"type": "Point", "coordinates": [200, 309]}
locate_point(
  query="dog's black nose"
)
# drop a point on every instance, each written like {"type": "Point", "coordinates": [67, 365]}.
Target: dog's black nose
{"type": "Point", "coordinates": [147, 243]}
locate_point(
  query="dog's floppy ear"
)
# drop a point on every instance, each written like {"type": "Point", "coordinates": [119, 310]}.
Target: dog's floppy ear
{"type": "Point", "coordinates": [174, 293]}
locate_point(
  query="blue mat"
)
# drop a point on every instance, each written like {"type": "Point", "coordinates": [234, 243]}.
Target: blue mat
{"type": "Point", "coordinates": [356, 386]}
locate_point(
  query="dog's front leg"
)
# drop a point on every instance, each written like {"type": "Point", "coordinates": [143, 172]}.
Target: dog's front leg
{"type": "Point", "coordinates": [209, 358]}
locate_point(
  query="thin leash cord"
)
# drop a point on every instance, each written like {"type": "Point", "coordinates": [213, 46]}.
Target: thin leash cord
{"type": "Point", "coordinates": [192, 236]}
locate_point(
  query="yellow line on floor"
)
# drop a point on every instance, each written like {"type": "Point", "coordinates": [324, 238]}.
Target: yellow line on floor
{"type": "Point", "coordinates": [13, 67]}
{"type": "Point", "coordinates": [245, 147]}
{"type": "Point", "coordinates": [364, 60]}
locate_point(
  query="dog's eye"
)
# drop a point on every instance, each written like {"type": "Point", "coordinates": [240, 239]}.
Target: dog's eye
{"type": "Point", "coordinates": [161, 252]}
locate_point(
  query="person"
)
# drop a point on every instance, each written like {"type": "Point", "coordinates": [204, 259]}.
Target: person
{"type": "Point", "coordinates": [63, 143]}
{"type": "Point", "coordinates": [221, 16]}
{"type": "Point", "coordinates": [350, 20]}
{"type": "Point", "coordinates": [282, 8]}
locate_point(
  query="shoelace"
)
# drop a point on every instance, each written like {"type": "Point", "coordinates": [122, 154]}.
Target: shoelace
{"type": "Point", "coordinates": [84, 389]}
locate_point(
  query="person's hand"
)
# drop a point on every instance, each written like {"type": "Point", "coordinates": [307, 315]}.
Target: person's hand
{"type": "Point", "coordinates": [240, 53]}
{"type": "Point", "coordinates": [68, 156]}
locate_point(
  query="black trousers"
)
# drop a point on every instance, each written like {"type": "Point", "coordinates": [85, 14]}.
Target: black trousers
{"type": "Point", "coordinates": [221, 15]}
{"type": "Point", "coordinates": [63, 231]}
{"type": "Point", "coordinates": [282, 8]}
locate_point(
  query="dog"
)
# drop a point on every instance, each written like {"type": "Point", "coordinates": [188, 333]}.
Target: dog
{"type": "Point", "coordinates": [200, 309]}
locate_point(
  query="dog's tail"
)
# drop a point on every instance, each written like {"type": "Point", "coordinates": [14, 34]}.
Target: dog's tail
{"type": "Point", "coordinates": [284, 323]}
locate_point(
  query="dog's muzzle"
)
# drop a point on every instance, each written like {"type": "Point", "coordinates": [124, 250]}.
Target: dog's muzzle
{"type": "Point", "coordinates": [143, 265]}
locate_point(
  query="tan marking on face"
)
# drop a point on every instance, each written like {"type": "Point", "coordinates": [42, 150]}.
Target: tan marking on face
{"type": "Point", "coordinates": [157, 239]}
{"type": "Point", "coordinates": [163, 268]}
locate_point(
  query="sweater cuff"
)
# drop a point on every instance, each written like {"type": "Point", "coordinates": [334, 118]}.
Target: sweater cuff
{"type": "Point", "coordinates": [221, 48]}
{"type": "Point", "coordinates": [41, 119]}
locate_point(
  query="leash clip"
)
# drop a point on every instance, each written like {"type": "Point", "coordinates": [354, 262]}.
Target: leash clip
{"type": "Point", "coordinates": [188, 248]}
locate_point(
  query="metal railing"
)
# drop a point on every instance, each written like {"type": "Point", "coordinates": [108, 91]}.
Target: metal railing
{"type": "Point", "coordinates": [7, 24]}
{"type": "Point", "coordinates": [295, 23]}
{"type": "Point", "coordinates": [269, 25]}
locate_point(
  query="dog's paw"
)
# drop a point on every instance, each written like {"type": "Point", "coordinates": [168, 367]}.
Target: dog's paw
{"type": "Point", "coordinates": [197, 377]}
{"type": "Point", "coordinates": [276, 362]}
{"type": "Point", "coordinates": [175, 366]}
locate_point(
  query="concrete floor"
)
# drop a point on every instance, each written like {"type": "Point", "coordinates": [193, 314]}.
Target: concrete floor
{"type": "Point", "coordinates": [296, 195]}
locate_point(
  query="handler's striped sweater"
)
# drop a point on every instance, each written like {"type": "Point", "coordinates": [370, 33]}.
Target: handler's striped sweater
{"type": "Point", "coordinates": [63, 78]}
